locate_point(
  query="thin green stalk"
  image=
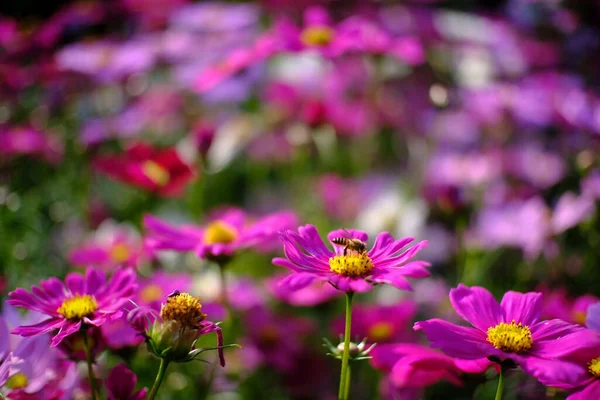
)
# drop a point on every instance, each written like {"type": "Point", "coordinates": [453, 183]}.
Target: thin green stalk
{"type": "Point", "coordinates": [342, 394]}
{"type": "Point", "coordinates": [500, 389]}
{"type": "Point", "coordinates": [90, 364]}
{"type": "Point", "coordinates": [224, 296]}
{"type": "Point", "coordinates": [348, 380]}
{"type": "Point", "coordinates": [162, 369]}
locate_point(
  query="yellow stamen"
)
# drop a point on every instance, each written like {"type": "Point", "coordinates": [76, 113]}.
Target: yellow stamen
{"type": "Point", "coordinates": [119, 253]}
{"type": "Point", "coordinates": [594, 367]}
{"type": "Point", "coordinates": [184, 309]}
{"type": "Point", "coordinates": [155, 172]}
{"type": "Point", "coordinates": [78, 306]}
{"type": "Point", "coordinates": [151, 293]}
{"type": "Point", "coordinates": [380, 331]}
{"type": "Point", "coordinates": [511, 337]}
{"type": "Point", "coordinates": [355, 264]}
{"type": "Point", "coordinates": [17, 381]}
{"type": "Point", "coordinates": [219, 232]}
{"type": "Point", "coordinates": [319, 35]}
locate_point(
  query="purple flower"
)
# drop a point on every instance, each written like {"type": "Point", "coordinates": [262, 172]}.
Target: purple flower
{"type": "Point", "coordinates": [571, 210]}
{"type": "Point", "coordinates": [89, 300]}
{"type": "Point", "coordinates": [510, 330]}
{"type": "Point", "coordinates": [414, 365]}
{"type": "Point", "coordinates": [347, 269]}
{"type": "Point", "coordinates": [309, 296]}
{"type": "Point", "coordinates": [110, 247]}
{"type": "Point", "coordinates": [592, 319]}
{"type": "Point", "coordinates": [380, 324]}
{"type": "Point", "coordinates": [5, 364]}
{"type": "Point", "coordinates": [120, 384]}
{"type": "Point", "coordinates": [228, 230]}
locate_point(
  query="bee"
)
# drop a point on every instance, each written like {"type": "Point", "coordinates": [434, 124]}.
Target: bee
{"type": "Point", "coordinates": [351, 244]}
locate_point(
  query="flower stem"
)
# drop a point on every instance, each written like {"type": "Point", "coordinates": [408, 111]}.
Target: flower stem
{"type": "Point", "coordinates": [342, 393]}
{"type": "Point", "coordinates": [160, 375]}
{"type": "Point", "coordinates": [347, 390]}
{"type": "Point", "coordinates": [500, 385]}
{"type": "Point", "coordinates": [224, 296]}
{"type": "Point", "coordinates": [90, 364]}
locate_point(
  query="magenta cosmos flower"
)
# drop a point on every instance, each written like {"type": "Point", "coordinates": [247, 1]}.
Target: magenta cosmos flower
{"type": "Point", "coordinates": [227, 231]}
{"type": "Point", "coordinates": [510, 330]}
{"type": "Point", "coordinates": [414, 365]}
{"type": "Point", "coordinates": [79, 301]}
{"type": "Point", "coordinates": [350, 268]}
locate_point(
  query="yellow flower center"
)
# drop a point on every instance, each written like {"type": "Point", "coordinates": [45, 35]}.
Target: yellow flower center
{"type": "Point", "coordinates": [219, 232]}
{"type": "Point", "coordinates": [155, 172]}
{"type": "Point", "coordinates": [351, 264]}
{"type": "Point", "coordinates": [319, 35]}
{"type": "Point", "coordinates": [594, 367]}
{"type": "Point", "coordinates": [119, 253]}
{"type": "Point", "coordinates": [380, 331]}
{"type": "Point", "coordinates": [579, 317]}
{"type": "Point", "coordinates": [17, 381]}
{"type": "Point", "coordinates": [78, 306]}
{"type": "Point", "coordinates": [184, 309]}
{"type": "Point", "coordinates": [151, 293]}
{"type": "Point", "coordinates": [511, 337]}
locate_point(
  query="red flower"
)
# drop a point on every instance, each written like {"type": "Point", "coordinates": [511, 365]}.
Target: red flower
{"type": "Point", "coordinates": [156, 170]}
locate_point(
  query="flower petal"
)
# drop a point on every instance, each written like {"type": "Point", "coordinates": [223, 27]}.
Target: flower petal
{"type": "Point", "coordinates": [476, 305]}
{"type": "Point", "coordinates": [521, 307]}
{"type": "Point", "coordinates": [454, 340]}
{"type": "Point", "coordinates": [555, 373]}
{"type": "Point", "coordinates": [394, 277]}
{"type": "Point", "coordinates": [299, 280]}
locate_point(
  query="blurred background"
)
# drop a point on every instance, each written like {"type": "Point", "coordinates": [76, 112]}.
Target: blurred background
{"type": "Point", "coordinates": [472, 124]}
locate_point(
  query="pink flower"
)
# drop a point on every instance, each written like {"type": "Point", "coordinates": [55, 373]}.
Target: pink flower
{"type": "Point", "coordinates": [227, 231]}
{"type": "Point", "coordinates": [79, 301]}
{"type": "Point", "coordinates": [309, 296]}
{"type": "Point", "coordinates": [29, 141]}
{"type": "Point", "coordinates": [415, 366]}
{"type": "Point", "coordinates": [347, 269]}
{"type": "Point", "coordinates": [510, 330]}
{"type": "Point", "coordinates": [380, 324]}
{"type": "Point", "coordinates": [120, 384]}
{"type": "Point", "coordinates": [156, 170]}
{"type": "Point", "coordinates": [111, 246]}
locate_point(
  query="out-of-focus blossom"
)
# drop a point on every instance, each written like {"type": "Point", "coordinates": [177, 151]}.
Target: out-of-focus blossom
{"type": "Point", "coordinates": [172, 334]}
{"type": "Point", "coordinates": [510, 330]}
{"type": "Point", "coordinates": [106, 61]}
{"type": "Point", "coordinates": [29, 141]}
{"type": "Point", "coordinates": [521, 224]}
{"type": "Point", "coordinates": [79, 301]}
{"type": "Point", "coordinates": [34, 365]}
{"type": "Point", "coordinates": [348, 269]}
{"type": "Point", "coordinates": [157, 170]}
{"type": "Point", "coordinates": [227, 231]}
{"type": "Point", "coordinates": [309, 296]}
{"type": "Point", "coordinates": [278, 339]}
{"type": "Point", "coordinates": [557, 304]}
{"type": "Point", "coordinates": [541, 168]}
{"type": "Point", "coordinates": [416, 366]}
{"type": "Point", "coordinates": [121, 383]}
{"type": "Point", "coordinates": [318, 33]}
{"type": "Point", "coordinates": [590, 185]}
{"type": "Point", "coordinates": [571, 210]}
{"type": "Point", "coordinates": [380, 324]}
{"type": "Point", "coordinates": [110, 247]}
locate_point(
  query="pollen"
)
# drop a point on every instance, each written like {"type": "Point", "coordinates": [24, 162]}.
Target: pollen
{"type": "Point", "coordinates": [78, 306]}
{"type": "Point", "coordinates": [119, 253]}
{"type": "Point", "coordinates": [594, 367]}
{"type": "Point", "coordinates": [219, 232]}
{"type": "Point", "coordinates": [155, 172]}
{"type": "Point", "coordinates": [317, 36]}
{"type": "Point", "coordinates": [184, 309]}
{"type": "Point", "coordinates": [151, 293]}
{"type": "Point", "coordinates": [511, 337]}
{"type": "Point", "coordinates": [351, 265]}
{"type": "Point", "coordinates": [17, 381]}
{"type": "Point", "coordinates": [380, 331]}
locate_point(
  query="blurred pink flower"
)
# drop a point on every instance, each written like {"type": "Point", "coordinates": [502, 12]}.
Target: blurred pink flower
{"type": "Point", "coordinates": [227, 231]}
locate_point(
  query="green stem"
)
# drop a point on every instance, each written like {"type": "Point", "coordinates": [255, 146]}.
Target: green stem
{"type": "Point", "coordinates": [347, 390]}
{"type": "Point", "coordinates": [224, 296]}
{"type": "Point", "coordinates": [162, 369]}
{"type": "Point", "coordinates": [342, 394]}
{"type": "Point", "coordinates": [500, 389]}
{"type": "Point", "coordinates": [90, 364]}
